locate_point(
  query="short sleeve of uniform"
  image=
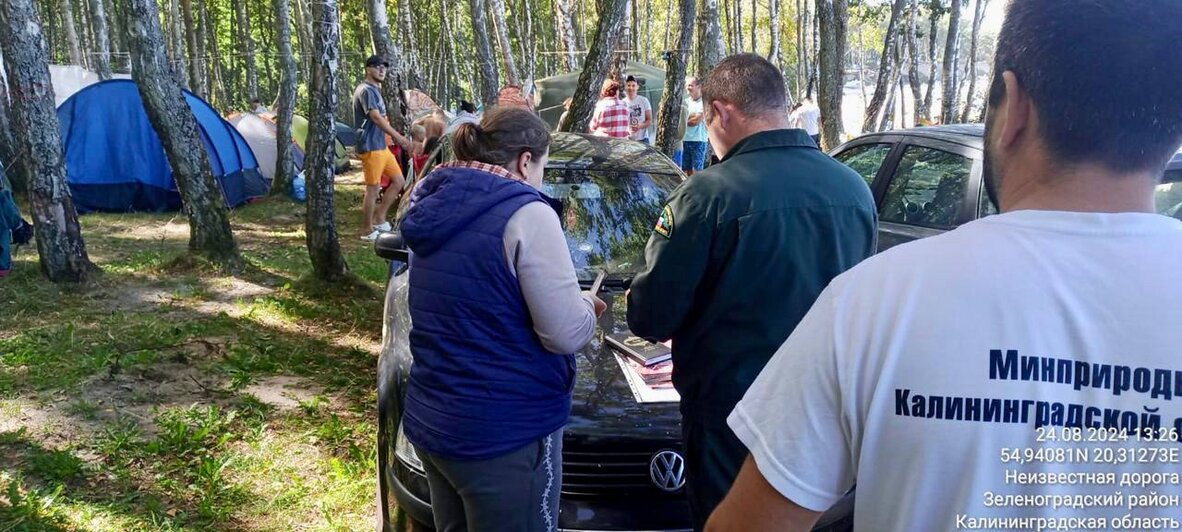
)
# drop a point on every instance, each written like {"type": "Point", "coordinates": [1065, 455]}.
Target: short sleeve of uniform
{"type": "Point", "coordinates": [373, 100]}
{"type": "Point", "coordinates": [792, 417]}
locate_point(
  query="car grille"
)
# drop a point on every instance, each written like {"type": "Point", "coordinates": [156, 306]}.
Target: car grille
{"type": "Point", "coordinates": [611, 472]}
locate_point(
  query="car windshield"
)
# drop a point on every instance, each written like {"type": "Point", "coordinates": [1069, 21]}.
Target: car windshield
{"type": "Point", "coordinates": [1167, 197]}
{"type": "Point", "coordinates": [607, 216]}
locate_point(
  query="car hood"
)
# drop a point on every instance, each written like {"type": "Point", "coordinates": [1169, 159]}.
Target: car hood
{"type": "Point", "coordinates": [603, 405]}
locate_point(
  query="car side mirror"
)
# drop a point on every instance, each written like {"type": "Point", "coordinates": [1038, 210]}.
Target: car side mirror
{"type": "Point", "coordinates": [391, 246]}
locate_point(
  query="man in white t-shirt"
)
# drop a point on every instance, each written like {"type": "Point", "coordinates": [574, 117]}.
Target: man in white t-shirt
{"type": "Point", "coordinates": [973, 380]}
{"type": "Point", "coordinates": [807, 116]}
{"type": "Point", "coordinates": [640, 111]}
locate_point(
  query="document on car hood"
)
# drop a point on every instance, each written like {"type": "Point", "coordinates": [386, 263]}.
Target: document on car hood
{"type": "Point", "coordinates": [638, 376]}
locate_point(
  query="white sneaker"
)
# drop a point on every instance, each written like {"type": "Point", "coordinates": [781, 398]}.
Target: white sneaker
{"type": "Point", "coordinates": [385, 227]}
{"type": "Point", "coordinates": [372, 236]}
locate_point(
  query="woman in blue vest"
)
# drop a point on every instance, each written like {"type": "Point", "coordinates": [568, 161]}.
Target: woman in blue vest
{"type": "Point", "coordinates": [496, 311]}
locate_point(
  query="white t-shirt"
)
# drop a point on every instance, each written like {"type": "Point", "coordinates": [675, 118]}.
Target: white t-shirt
{"type": "Point", "coordinates": [695, 133]}
{"type": "Point", "coordinates": [636, 109]}
{"type": "Point", "coordinates": [918, 370]}
{"type": "Point", "coordinates": [808, 117]}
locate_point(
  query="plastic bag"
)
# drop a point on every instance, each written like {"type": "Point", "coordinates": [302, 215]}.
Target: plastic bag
{"type": "Point", "coordinates": [299, 191]}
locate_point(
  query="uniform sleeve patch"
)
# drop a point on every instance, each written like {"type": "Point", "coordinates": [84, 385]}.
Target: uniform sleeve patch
{"type": "Point", "coordinates": [665, 223]}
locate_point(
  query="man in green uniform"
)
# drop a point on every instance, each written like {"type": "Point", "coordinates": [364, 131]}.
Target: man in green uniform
{"type": "Point", "coordinates": [739, 254]}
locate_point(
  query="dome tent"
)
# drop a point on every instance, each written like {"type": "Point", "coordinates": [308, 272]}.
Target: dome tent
{"type": "Point", "coordinates": [552, 91]}
{"type": "Point", "coordinates": [299, 133]}
{"type": "Point", "coordinates": [261, 134]}
{"type": "Point", "coordinates": [116, 162]}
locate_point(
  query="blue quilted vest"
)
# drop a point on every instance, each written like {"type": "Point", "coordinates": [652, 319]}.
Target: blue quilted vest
{"type": "Point", "coordinates": [481, 385]}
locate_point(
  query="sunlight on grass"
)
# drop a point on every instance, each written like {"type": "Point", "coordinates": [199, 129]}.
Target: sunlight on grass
{"type": "Point", "coordinates": [89, 359]}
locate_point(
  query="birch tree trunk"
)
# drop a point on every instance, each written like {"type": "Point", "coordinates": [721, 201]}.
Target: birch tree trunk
{"type": "Point", "coordinates": [832, 17]}
{"type": "Point", "coordinates": [623, 43]}
{"type": "Point", "coordinates": [209, 222]}
{"type": "Point", "coordinates": [501, 29]}
{"type": "Point", "coordinates": [285, 103]}
{"type": "Point", "coordinates": [192, 42]}
{"type": "Point", "coordinates": [951, 51]}
{"type": "Point", "coordinates": [59, 237]}
{"type": "Point", "coordinates": [247, 41]}
{"type": "Point", "coordinates": [927, 95]}
{"type": "Point", "coordinates": [675, 72]}
{"type": "Point", "coordinates": [67, 13]}
{"type": "Point", "coordinates": [595, 66]}
{"type": "Point", "coordinates": [395, 83]}
{"type": "Point", "coordinates": [886, 69]}
{"type": "Point", "coordinates": [102, 41]}
{"type": "Point", "coordinates": [978, 16]}
{"type": "Point", "coordinates": [775, 55]}
{"type": "Point", "coordinates": [486, 66]}
{"type": "Point", "coordinates": [9, 149]}
{"type": "Point", "coordinates": [324, 247]}
{"type": "Point", "coordinates": [216, 85]}
{"type": "Point", "coordinates": [531, 45]}
{"type": "Point", "coordinates": [303, 19]}
{"type": "Point", "coordinates": [711, 48]}
{"type": "Point", "coordinates": [738, 26]}
{"type": "Point", "coordinates": [913, 58]}
{"type": "Point", "coordinates": [180, 65]}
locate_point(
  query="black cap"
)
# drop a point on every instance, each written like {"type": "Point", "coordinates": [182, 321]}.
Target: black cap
{"type": "Point", "coordinates": [630, 78]}
{"type": "Point", "coordinates": [375, 60]}
{"type": "Point", "coordinates": [468, 106]}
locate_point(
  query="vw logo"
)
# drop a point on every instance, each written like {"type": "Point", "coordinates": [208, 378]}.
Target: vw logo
{"type": "Point", "coordinates": [667, 471]}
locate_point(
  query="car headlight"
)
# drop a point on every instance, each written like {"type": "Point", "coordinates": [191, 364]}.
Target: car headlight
{"type": "Point", "coordinates": [406, 452]}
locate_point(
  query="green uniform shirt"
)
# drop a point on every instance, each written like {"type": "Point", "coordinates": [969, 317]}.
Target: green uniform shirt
{"type": "Point", "coordinates": [739, 254]}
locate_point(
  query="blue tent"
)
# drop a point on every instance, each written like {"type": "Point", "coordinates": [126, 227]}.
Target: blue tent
{"type": "Point", "coordinates": [115, 161]}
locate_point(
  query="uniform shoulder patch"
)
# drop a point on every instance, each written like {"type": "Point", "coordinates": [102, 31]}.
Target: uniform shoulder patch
{"type": "Point", "coordinates": [665, 223]}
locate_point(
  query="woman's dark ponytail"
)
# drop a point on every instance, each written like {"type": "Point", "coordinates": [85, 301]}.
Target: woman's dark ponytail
{"type": "Point", "coordinates": [501, 136]}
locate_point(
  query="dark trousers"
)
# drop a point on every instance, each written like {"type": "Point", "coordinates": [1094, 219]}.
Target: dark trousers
{"type": "Point", "coordinates": [516, 492]}
{"type": "Point", "coordinates": [713, 457]}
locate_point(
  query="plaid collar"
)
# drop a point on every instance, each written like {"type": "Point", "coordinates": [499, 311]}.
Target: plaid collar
{"type": "Point", "coordinates": [485, 167]}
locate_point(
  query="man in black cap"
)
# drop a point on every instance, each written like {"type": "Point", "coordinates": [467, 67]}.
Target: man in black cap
{"type": "Point", "coordinates": [369, 113]}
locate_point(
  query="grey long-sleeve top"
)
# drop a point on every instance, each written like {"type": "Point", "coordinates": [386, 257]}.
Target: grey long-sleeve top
{"type": "Point", "coordinates": [536, 252]}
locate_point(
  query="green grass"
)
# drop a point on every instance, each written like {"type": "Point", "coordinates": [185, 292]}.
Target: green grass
{"type": "Point", "coordinates": [147, 373]}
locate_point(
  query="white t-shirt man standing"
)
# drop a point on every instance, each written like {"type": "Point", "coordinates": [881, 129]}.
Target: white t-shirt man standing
{"type": "Point", "coordinates": [640, 112]}
{"type": "Point", "coordinates": [1019, 372]}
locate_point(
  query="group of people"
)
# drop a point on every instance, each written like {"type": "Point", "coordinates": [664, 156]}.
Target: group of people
{"type": "Point", "coordinates": [804, 363]}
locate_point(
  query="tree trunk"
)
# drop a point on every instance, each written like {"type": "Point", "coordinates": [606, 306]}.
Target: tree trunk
{"type": "Point", "coordinates": [832, 17]}
{"type": "Point", "coordinates": [623, 43]}
{"type": "Point", "coordinates": [192, 43]}
{"type": "Point", "coordinates": [59, 237]}
{"type": "Point", "coordinates": [71, 33]}
{"type": "Point", "coordinates": [285, 104]}
{"type": "Point", "coordinates": [801, 46]}
{"type": "Point", "coordinates": [888, 115]}
{"type": "Point", "coordinates": [489, 83]}
{"type": "Point", "coordinates": [565, 11]}
{"type": "Point", "coordinates": [886, 68]}
{"type": "Point", "coordinates": [180, 65]}
{"type": "Point", "coordinates": [324, 247]}
{"type": "Point", "coordinates": [414, 76]}
{"type": "Point", "coordinates": [711, 48]}
{"type": "Point", "coordinates": [247, 41]}
{"type": "Point", "coordinates": [303, 19]}
{"type": "Point", "coordinates": [913, 59]}
{"type": "Point", "coordinates": [978, 16]}
{"type": "Point", "coordinates": [675, 71]}
{"type": "Point", "coordinates": [209, 222]}
{"type": "Point", "coordinates": [215, 87]}
{"type": "Point", "coordinates": [501, 29]}
{"type": "Point", "coordinates": [530, 48]}
{"type": "Point", "coordinates": [102, 41]}
{"type": "Point", "coordinates": [815, 48]}
{"type": "Point", "coordinates": [927, 95]}
{"type": "Point", "coordinates": [10, 159]}
{"type": "Point", "coordinates": [738, 22]}
{"type": "Point", "coordinates": [775, 55]}
{"type": "Point", "coordinates": [395, 83]}
{"type": "Point", "coordinates": [951, 51]}
{"type": "Point", "coordinates": [595, 66]}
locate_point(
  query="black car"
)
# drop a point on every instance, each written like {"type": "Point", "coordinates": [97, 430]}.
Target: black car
{"type": "Point", "coordinates": [928, 180]}
{"type": "Point", "coordinates": [622, 467]}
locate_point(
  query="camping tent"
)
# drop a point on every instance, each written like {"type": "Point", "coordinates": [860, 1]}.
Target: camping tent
{"type": "Point", "coordinates": [554, 90]}
{"type": "Point", "coordinates": [299, 133]}
{"type": "Point", "coordinates": [115, 161]}
{"type": "Point", "coordinates": [418, 104]}
{"type": "Point", "coordinates": [260, 132]}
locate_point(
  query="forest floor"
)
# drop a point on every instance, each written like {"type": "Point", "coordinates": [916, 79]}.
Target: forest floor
{"type": "Point", "coordinates": [169, 396]}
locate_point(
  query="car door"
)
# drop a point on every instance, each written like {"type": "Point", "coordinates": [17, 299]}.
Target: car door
{"type": "Point", "coordinates": [933, 186]}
